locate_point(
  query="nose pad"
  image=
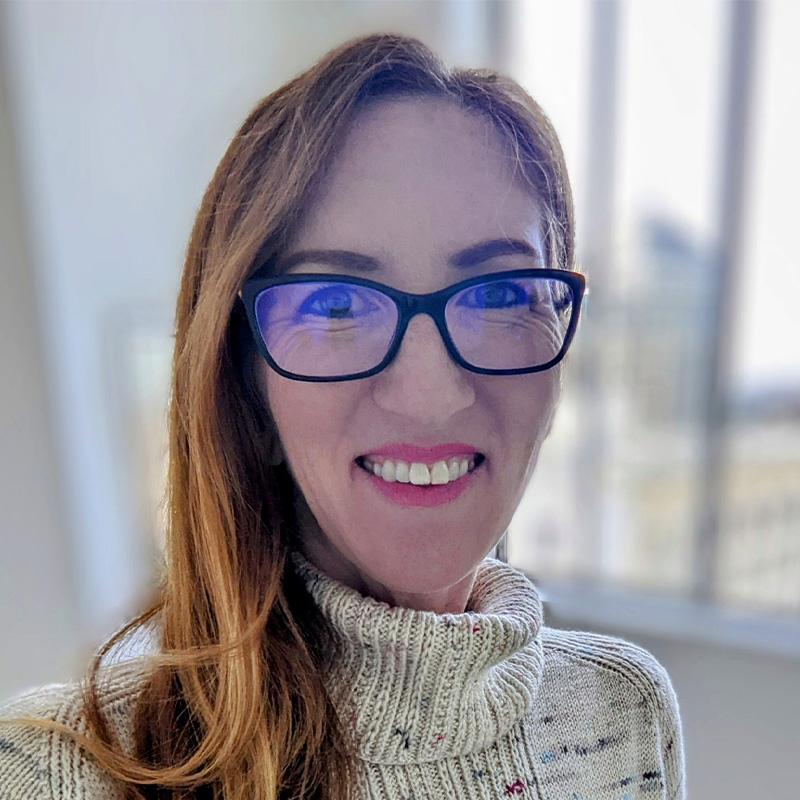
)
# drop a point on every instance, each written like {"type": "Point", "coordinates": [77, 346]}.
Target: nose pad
{"type": "Point", "coordinates": [423, 380]}
{"type": "Point", "coordinates": [423, 347]}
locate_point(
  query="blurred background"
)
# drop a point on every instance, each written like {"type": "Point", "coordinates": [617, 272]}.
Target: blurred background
{"type": "Point", "coordinates": [665, 508]}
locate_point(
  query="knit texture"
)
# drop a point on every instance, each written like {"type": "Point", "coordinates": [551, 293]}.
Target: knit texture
{"type": "Point", "coordinates": [489, 703]}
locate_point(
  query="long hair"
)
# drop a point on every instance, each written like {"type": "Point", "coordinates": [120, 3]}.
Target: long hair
{"type": "Point", "coordinates": [234, 704]}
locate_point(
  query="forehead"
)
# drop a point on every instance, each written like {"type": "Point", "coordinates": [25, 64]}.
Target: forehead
{"type": "Point", "coordinates": [417, 179]}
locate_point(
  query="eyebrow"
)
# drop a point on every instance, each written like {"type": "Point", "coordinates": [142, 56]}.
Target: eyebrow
{"type": "Point", "coordinates": [472, 256]}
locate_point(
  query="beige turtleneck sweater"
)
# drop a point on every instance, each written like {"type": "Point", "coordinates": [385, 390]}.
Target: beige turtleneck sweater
{"type": "Point", "coordinates": [490, 703]}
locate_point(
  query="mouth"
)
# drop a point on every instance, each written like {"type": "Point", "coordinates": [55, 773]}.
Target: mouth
{"type": "Point", "coordinates": [436, 473]}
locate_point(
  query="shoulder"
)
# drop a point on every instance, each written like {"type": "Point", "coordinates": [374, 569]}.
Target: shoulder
{"type": "Point", "coordinates": [625, 663]}
{"type": "Point", "coordinates": [38, 764]}
{"type": "Point", "coordinates": [613, 679]}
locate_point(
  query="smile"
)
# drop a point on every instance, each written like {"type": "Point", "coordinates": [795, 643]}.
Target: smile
{"type": "Point", "coordinates": [437, 473]}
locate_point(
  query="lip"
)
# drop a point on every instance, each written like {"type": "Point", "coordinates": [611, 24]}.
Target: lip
{"type": "Point", "coordinates": [410, 495]}
{"type": "Point", "coordinates": [425, 454]}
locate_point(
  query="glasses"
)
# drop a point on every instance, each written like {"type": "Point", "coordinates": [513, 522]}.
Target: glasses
{"type": "Point", "coordinates": [326, 327]}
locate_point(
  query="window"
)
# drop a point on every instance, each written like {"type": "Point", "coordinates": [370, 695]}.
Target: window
{"type": "Point", "coordinates": [657, 479]}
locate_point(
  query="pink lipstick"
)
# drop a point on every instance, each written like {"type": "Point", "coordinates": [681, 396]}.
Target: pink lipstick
{"type": "Point", "coordinates": [409, 494]}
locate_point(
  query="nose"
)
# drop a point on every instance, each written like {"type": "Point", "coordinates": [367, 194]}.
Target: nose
{"type": "Point", "coordinates": [423, 382]}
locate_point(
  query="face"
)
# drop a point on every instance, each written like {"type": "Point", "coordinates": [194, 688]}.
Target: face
{"type": "Point", "coordinates": [416, 180]}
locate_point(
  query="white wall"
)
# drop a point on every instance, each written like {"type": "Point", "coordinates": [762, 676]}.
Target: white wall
{"type": "Point", "coordinates": [39, 616]}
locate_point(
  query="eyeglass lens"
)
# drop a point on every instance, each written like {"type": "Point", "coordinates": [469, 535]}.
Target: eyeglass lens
{"type": "Point", "coordinates": [332, 328]}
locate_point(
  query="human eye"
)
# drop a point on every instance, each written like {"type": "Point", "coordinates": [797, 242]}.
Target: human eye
{"type": "Point", "coordinates": [336, 301]}
{"type": "Point", "coordinates": [554, 297]}
{"type": "Point", "coordinates": [495, 295]}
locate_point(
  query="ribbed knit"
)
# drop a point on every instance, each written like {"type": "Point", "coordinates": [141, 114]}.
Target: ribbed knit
{"type": "Point", "coordinates": [493, 703]}
{"type": "Point", "coordinates": [489, 703]}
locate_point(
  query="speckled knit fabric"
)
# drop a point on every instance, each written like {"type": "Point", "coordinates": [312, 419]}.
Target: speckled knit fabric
{"type": "Point", "coordinates": [490, 703]}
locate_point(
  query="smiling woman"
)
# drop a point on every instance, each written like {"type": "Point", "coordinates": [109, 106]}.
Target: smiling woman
{"type": "Point", "coordinates": [344, 453]}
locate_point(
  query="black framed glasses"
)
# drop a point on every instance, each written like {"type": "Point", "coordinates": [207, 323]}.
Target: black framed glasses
{"type": "Point", "coordinates": [330, 327]}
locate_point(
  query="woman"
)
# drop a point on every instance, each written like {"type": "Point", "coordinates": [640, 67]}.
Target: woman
{"type": "Point", "coordinates": [377, 298]}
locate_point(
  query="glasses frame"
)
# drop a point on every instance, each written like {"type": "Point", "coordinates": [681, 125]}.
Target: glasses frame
{"type": "Point", "coordinates": [409, 304]}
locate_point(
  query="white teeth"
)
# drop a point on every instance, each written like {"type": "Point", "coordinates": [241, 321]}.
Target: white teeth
{"type": "Point", "coordinates": [387, 471]}
{"type": "Point", "coordinates": [440, 472]}
{"type": "Point", "coordinates": [454, 467]}
{"type": "Point", "coordinates": [419, 474]}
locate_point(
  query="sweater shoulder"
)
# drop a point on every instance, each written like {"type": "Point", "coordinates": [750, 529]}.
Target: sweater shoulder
{"type": "Point", "coordinates": [39, 764]}
{"type": "Point", "coordinates": [610, 679]}
{"type": "Point", "coordinates": [635, 666]}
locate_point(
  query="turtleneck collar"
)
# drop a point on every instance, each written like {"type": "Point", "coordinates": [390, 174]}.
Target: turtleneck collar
{"type": "Point", "coordinates": [415, 686]}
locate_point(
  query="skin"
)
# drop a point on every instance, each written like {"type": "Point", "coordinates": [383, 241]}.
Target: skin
{"type": "Point", "coordinates": [416, 180]}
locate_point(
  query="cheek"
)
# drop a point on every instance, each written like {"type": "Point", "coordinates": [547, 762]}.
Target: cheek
{"type": "Point", "coordinates": [541, 407]}
{"type": "Point", "coordinates": [293, 410]}
{"type": "Point", "coordinates": [554, 396]}
{"type": "Point", "coordinates": [312, 418]}
{"type": "Point", "coordinates": [285, 406]}
{"type": "Point", "coordinates": [529, 405]}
